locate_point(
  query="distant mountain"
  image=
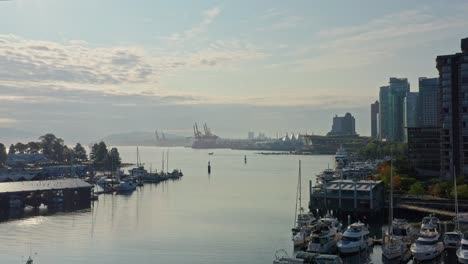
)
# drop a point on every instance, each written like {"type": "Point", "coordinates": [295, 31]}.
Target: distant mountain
{"type": "Point", "coordinates": [143, 138]}
{"type": "Point", "coordinates": [12, 135]}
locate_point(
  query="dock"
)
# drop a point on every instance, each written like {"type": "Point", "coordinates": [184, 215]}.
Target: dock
{"type": "Point", "coordinates": [71, 193]}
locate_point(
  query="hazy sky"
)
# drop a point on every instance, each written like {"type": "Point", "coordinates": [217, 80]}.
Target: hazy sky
{"type": "Point", "coordinates": [84, 69]}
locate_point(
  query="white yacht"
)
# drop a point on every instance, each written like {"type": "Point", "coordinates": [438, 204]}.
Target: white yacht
{"type": "Point", "coordinates": [453, 239]}
{"type": "Point", "coordinates": [402, 230]}
{"type": "Point", "coordinates": [325, 237]}
{"type": "Point", "coordinates": [126, 186]}
{"type": "Point", "coordinates": [341, 157]}
{"type": "Point", "coordinates": [462, 252]}
{"type": "Point", "coordinates": [303, 220]}
{"type": "Point", "coordinates": [354, 239]}
{"type": "Point", "coordinates": [427, 246]}
{"type": "Point", "coordinates": [430, 221]}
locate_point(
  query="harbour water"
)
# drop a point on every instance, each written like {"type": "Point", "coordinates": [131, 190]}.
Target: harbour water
{"type": "Point", "coordinates": [241, 213]}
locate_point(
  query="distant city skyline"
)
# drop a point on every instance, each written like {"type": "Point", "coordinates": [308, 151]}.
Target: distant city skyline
{"type": "Point", "coordinates": [86, 69]}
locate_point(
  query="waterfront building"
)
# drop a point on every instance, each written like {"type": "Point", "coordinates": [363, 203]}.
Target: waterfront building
{"type": "Point", "coordinates": [453, 85]}
{"type": "Point", "coordinates": [347, 196]}
{"type": "Point", "coordinates": [374, 119]}
{"type": "Point", "coordinates": [424, 150]}
{"type": "Point", "coordinates": [428, 102]}
{"type": "Point", "coordinates": [410, 111]}
{"type": "Point", "coordinates": [384, 114]}
{"type": "Point", "coordinates": [328, 145]}
{"type": "Point", "coordinates": [343, 125]}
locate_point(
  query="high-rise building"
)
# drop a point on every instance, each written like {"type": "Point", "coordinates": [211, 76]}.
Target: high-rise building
{"type": "Point", "coordinates": [424, 150]}
{"type": "Point", "coordinates": [411, 109]}
{"type": "Point", "coordinates": [374, 119]}
{"type": "Point", "coordinates": [453, 87]}
{"type": "Point", "coordinates": [392, 110]}
{"type": "Point", "coordinates": [251, 135]}
{"type": "Point", "coordinates": [343, 125]}
{"type": "Point", "coordinates": [428, 102]}
{"type": "Point", "coordinates": [399, 87]}
{"type": "Point", "coordinates": [384, 114]}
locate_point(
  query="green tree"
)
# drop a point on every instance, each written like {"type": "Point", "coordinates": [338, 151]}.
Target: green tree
{"type": "Point", "coordinates": [11, 150]}
{"type": "Point", "coordinates": [112, 160]}
{"type": "Point", "coordinates": [98, 152]}
{"type": "Point", "coordinates": [52, 147]}
{"type": "Point", "coordinates": [3, 154]}
{"type": "Point", "coordinates": [68, 154]}
{"type": "Point", "coordinates": [20, 147]}
{"type": "Point", "coordinates": [80, 152]}
{"type": "Point", "coordinates": [416, 189]}
{"type": "Point", "coordinates": [33, 147]}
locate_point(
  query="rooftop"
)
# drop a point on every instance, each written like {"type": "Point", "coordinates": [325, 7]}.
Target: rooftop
{"type": "Point", "coordinates": [350, 185]}
{"type": "Point", "coordinates": [30, 186]}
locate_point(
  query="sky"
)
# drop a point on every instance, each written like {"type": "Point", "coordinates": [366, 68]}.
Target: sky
{"type": "Point", "coordinates": [86, 69]}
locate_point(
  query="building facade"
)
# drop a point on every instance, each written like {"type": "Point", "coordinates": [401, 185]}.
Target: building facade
{"type": "Point", "coordinates": [375, 120]}
{"type": "Point", "coordinates": [428, 102]}
{"type": "Point", "coordinates": [411, 109]}
{"type": "Point", "coordinates": [424, 150]}
{"type": "Point", "coordinates": [399, 87]}
{"type": "Point", "coordinates": [453, 88]}
{"type": "Point", "coordinates": [343, 126]}
{"type": "Point", "coordinates": [384, 114]}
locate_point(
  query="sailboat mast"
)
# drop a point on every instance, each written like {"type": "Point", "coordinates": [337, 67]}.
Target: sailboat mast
{"type": "Point", "coordinates": [390, 214]}
{"type": "Point", "coordinates": [138, 158]}
{"type": "Point", "coordinates": [300, 187]}
{"type": "Point", "coordinates": [167, 160]}
{"type": "Point", "coordinates": [162, 166]}
{"type": "Point", "coordinates": [456, 199]}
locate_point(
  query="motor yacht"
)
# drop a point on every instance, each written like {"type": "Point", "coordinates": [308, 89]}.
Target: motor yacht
{"type": "Point", "coordinates": [126, 186]}
{"type": "Point", "coordinates": [427, 246]}
{"type": "Point", "coordinates": [453, 239]}
{"type": "Point", "coordinates": [282, 257]}
{"type": "Point", "coordinates": [462, 252]}
{"type": "Point", "coordinates": [354, 239]}
{"type": "Point", "coordinates": [324, 238]}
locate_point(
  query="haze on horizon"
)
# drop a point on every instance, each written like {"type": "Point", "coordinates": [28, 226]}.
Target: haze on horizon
{"type": "Point", "coordinates": [85, 69]}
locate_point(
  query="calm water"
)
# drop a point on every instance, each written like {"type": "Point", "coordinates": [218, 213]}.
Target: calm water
{"type": "Point", "coordinates": [241, 213]}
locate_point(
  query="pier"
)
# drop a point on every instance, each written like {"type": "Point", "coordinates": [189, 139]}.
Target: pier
{"type": "Point", "coordinates": [71, 193]}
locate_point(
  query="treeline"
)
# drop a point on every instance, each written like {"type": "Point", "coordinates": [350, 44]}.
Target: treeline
{"type": "Point", "coordinates": [380, 150]}
{"type": "Point", "coordinates": [55, 150]}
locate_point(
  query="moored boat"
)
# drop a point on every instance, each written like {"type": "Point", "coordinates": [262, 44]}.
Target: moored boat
{"type": "Point", "coordinates": [354, 239]}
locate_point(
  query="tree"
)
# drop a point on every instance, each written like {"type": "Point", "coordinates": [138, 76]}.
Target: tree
{"type": "Point", "coordinates": [33, 147]}
{"type": "Point", "coordinates": [416, 189]}
{"type": "Point", "coordinates": [98, 152]}
{"type": "Point", "coordinates": [80, 152]}
{"type": "Point", "coordinates": [112, 160]}
{"type": "Point", "coordinates": [11, 150]}
{"type": "Point", "coordinates": [52, 147]}
{"type": "Point", "coordinates": [3, 154]}
{"type": "Point", "coordinates": [20, 147]}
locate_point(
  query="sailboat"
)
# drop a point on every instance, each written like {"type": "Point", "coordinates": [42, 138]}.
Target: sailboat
{"type": "Point", "coordinates": [453, 239]}
{"type": "Point", "coordinates": [392, 248]}
{"type": "Point", "coordinates": [302, 220]}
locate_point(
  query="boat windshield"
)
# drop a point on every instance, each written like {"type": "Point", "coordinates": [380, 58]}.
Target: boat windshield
{"type": "Point", "coordinates": [464, 247]}
{"type": "Point", "coordinates": [426, 243]}
{"type": "Point", "coordinates": [399, 232]}
{"type": "Point", "coordinates": [350, 239]}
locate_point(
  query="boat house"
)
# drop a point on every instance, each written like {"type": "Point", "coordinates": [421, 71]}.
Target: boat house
{"type": "Point", "coordinates": [348, 196]}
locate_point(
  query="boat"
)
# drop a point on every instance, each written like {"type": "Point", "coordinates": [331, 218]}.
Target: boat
{"type": "Point", "coordinates": [427, 246]}
{"type": "Point", "coordinates": [462, 252]}
{"type": "Point", "coordinates": [354, 239]}
{"type": "Point", "coordinates": [282, 257]}
{"type": "Point", "coordinates": [301, 238]}
{"type": "Point", "coordinates": [15, 202]}
{"type": "Point", "coordinates": [125, 186]}
{"type": "Point", "coordinates": [325, 237]}
{"type": "Point", "coordinates": [429, 222]}
{"type": "Point", "coordinates": [453, 239]}
{"type": "Point", "coordinates": [393, 246]}
{"type": "Point", "coordinates": [402, 230]}
{"type": "Point", "coordinates": [341, 157]}
{"type": "Point", "coordinates": [211, 153]}
{"type": "Point", "coordinates": [301, 218]}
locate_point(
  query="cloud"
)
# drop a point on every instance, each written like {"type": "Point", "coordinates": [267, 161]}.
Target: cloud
{"type": "Point", "coordinates": [375, 41]}
{"type": "Point", "coordinates": [278, 20]}
{"type": "Point", "coordinates": [79, 65]}
{"type": "Point", "coordinates": [208, 17]}
{"type": "Point", "coordinates": [5, 122]}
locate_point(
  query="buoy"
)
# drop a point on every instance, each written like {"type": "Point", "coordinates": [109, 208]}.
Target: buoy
{"type": "Point", "coordinates": [245, 159]}
{"type": "Point", "coordinates": [209, 168]}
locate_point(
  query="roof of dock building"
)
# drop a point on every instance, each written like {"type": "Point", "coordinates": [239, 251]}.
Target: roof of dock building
{"type": "Point", "coordinates": [350, 185]}
{"type": "Point", "coordinates": [32, 186]}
